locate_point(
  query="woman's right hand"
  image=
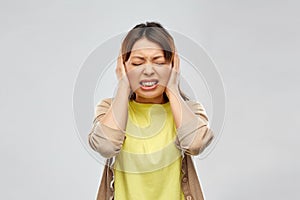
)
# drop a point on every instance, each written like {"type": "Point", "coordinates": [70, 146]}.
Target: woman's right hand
{"type": "Point", "coordinates": [120, 71]}
{"type": "Point", "coordinates": [116, 117]}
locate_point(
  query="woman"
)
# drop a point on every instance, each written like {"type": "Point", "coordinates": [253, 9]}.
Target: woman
{"type": "Point", "coordinates": [150, 129]}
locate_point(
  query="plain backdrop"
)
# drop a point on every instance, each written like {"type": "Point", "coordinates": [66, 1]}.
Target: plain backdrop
{"type": "Point", "coordinates": [255, 45]}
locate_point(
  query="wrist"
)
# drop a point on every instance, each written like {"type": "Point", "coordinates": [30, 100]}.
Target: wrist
{"type": "Point", "coordinates": [172, 93]}
{"type": "Point", "coordinates": [124, 87]}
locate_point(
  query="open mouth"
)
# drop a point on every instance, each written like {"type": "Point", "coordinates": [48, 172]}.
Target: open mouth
{"type": "Point", "coordinates": [148, 84]}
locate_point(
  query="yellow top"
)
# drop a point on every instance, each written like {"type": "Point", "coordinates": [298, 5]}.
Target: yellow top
{"type": "Point", "coordinates": [148, 166]}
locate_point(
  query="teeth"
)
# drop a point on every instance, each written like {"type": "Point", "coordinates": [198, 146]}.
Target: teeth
{"type": "Point", "coordinates": [148, 83]}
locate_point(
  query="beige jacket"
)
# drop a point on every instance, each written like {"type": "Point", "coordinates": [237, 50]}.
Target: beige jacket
{"type": "Point", "coordinates": [109, 145]}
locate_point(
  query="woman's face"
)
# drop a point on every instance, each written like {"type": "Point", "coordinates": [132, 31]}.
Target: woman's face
{"type": "Point", "coordinates": [148, 71]}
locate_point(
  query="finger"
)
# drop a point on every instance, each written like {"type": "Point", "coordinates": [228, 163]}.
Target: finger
{"type": "Point", "coordinates": [120, 57]}
{"type": "Point", "coordinates": [176, 62]}
{"type": "Point", "coordinates": [120, 71]}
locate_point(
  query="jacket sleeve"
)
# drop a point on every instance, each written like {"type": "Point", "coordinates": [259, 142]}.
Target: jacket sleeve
{"type": "Point", "coordinates": [194, 136]}
{"type": "Point", "coordinates": [103, 139]}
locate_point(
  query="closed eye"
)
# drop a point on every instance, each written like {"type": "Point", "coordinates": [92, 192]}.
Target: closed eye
{"type": "Point", "coordinates": [136, 64]}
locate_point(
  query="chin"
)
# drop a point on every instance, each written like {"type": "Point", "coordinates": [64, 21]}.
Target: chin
{"type": "Point", "coordinates": [157, 93]}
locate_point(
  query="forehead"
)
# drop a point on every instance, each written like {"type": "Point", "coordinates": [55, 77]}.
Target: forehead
{"type": "Point", "coordinates": [144, 47]}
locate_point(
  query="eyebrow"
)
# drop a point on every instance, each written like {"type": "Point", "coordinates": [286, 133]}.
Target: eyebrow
{"type": "Point", "coordinates": [154, 58]}
{"type": "Point", "coordinates": [138, 57]}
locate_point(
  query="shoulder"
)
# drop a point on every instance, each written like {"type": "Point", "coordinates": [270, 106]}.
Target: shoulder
{"type": "Point", "coordinates": [104, 102]}
{"type": "Point", "coordinates": [197, 107]}
{"type": "Point", "coordinates": [102, 107]}
{"type": "Point", "coordinates": [194, 104]}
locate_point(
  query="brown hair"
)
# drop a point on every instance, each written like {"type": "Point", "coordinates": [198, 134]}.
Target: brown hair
{"type": "Point", "coordinates": [154, 32]}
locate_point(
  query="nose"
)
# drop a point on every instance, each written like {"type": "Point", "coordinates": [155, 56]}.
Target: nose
{"type": "Point", "coordinates": [148, 70]}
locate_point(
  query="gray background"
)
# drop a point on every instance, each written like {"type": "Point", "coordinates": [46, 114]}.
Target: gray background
{"type": "Point", "coordinates": [253, 43]}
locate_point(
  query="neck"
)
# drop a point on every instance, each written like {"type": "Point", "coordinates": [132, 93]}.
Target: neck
{"type": "Point", "coordinates": [157, 100]}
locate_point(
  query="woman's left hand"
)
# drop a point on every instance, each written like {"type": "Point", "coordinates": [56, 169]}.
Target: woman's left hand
{"type": "Point", "coordinates": [172, 85]}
